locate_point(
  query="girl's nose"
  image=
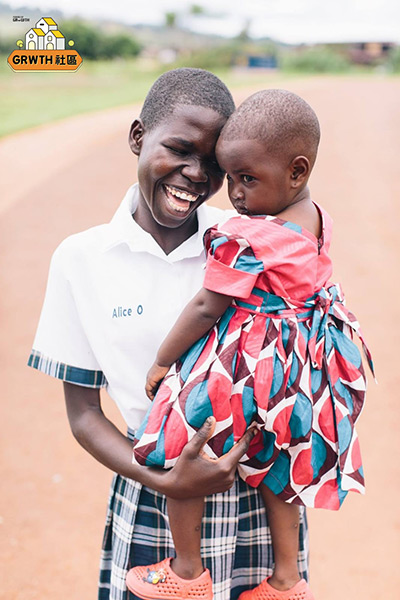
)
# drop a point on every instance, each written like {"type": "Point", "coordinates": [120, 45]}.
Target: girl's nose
{"type": "Point", "coordinates": [195, 171]}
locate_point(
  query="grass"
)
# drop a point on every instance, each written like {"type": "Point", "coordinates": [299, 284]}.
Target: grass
{"type": "Point", "coordinates": [31, 99]}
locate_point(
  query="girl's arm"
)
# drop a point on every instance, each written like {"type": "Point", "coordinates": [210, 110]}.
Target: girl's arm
{"type": "Point", "coordinates": [197, 318]}
{"type": "Point", "coordinates": [193, 475]}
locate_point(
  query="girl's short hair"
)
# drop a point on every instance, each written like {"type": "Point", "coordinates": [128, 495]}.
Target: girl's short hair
{"type": "Point", "coordinates": [188, 86]}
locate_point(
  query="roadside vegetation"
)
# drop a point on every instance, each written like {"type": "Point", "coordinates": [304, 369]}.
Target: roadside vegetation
{"type": "Point", "coordinates": [120, 64]}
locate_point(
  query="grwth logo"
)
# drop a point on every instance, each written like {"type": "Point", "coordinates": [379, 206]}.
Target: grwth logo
{"type": "Point", "coordinates": [44, 50]}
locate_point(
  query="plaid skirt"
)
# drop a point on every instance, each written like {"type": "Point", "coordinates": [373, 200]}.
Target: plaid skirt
{"type": "Point", "coordinates": [236, 542]}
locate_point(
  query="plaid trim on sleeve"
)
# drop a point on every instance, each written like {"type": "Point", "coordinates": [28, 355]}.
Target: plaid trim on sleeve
{"type": "Point", "coordinates": [236, 541]}
{"type": "Point", "coordinates": [76, 375]}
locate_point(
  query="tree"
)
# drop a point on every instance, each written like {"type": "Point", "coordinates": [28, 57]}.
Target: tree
{"type": "Point", "coordinates": [93, 43]}
{"type": "Point", "coordinates": [170, 19]}
{"type": "Point", "coordinates": [244, 35]}
{"type": "Point", "coordinates": [197, 9]}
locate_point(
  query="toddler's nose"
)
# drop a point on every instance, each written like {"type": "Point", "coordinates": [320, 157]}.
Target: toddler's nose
{"type": "Point", "coordinates": [237, 195]}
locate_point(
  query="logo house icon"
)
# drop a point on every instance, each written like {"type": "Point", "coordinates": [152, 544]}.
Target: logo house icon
{"type": "Point", "coordinates": [44, 50]}
{"type": "Point", "coordinates": [45, 36]}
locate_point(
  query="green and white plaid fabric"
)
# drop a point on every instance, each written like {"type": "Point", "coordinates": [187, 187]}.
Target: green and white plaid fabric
{"type": "Point", "coordinates": [84, 377]}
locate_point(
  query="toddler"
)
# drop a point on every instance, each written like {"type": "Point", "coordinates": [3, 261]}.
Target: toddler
{"type": "Point", "coordinates": [267, 343]}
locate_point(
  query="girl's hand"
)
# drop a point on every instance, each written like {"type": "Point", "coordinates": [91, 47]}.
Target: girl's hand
{"type": "Point", "coordinates": [195, 474]}
{"type": "Point", "coordinates": [154, 378]}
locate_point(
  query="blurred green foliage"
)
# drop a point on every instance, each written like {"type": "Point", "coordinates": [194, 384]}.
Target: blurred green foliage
{"type": "Point", "coordinates": [170, 19]}
{"type": "Point", "coordinates": [95, 44]}
{"type": "Point", "coordinates": [394, 60]}
{"type": "Point", "coordinates": [197, 9]}
{"type": "Point", "coordinates": [314, 60]}
{"type": "Point", "coordinates": [226, 55]}
{"type": "Point", "coordinates": [90, 41]}
{"type": "Point", "coordinates": [7, 45]}
{"type": "Point", "coordinates": [218, 57]}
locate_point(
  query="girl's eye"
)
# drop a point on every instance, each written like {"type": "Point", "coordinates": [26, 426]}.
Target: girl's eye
{"type": "Point", "coordinates": [176, 150]}
{"type": "Point", "coordinates": [228, 178]}
{"type": "Point", "coordinates": [248, 178]}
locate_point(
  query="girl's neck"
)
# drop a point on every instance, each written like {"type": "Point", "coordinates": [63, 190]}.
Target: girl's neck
{"type": "Point", "coordinates": [168, 238]}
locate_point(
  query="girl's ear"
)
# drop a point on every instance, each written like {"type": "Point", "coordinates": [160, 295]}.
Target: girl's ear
{"type": "Point", "coordinates": [136, 136]}
{"type": "Point", "coordinates": [299, 171]}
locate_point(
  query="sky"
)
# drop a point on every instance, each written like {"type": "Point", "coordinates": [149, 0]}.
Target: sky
{"type": "Point", "coordinates": [291, 21]}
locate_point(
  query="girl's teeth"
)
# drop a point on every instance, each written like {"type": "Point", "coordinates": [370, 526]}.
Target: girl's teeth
{"type": "Point", "coordinates": [176, 207]}
{"type": "Point", "coordinates": [181, 195]}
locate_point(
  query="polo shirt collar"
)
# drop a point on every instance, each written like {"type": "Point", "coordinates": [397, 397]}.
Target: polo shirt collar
{"type": "Point", "coordinates": [123, 229]}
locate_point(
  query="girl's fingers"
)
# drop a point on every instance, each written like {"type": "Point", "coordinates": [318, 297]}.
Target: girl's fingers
{"type": "Point", "coordinates": [240, 448]}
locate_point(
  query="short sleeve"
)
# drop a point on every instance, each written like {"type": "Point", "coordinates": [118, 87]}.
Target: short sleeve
{"type": "Point", "coordinates": [61, 348]}
{"type": "Point", "coordinates": [232, 267]}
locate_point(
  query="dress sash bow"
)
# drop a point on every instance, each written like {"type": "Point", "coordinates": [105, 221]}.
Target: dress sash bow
{"type": "Point", "coordinates": [331, 302]}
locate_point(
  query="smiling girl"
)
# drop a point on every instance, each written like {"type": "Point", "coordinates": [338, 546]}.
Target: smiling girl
{"type": "Point", "coordinates": [113, 293]}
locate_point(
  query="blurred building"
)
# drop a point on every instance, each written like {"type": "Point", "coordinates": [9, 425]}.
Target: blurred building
{"type": "Point", "coordinates": [363, 53]}
{"type": "Point", "coordinates": [369, 53]}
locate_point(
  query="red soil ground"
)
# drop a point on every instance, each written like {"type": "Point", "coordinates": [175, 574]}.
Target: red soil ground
{"type": "Point", "coordinates": [67, 176]}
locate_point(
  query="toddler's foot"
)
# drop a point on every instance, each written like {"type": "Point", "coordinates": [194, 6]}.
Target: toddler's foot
{"type": "Point", "coordinates": [265, 591]}
{"type": "Point", "coordinates": [282, 584]}
{"type": "Point", "coordinates": [159, 582]}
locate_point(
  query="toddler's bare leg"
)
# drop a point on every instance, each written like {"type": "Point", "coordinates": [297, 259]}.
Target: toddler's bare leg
{"type": "Point", "coordinates": [283, 519]}
{"type": "Point", "coordinates": [185, 518]}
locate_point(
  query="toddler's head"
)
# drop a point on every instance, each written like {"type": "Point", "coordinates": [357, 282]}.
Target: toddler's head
{"type": "Point", "coordinates": [268, 148]}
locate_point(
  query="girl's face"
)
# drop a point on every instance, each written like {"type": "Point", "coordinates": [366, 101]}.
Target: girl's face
{"type": "Point", "coordinates": [258, 182]}
{"type": "Point", "coordinates": [177, 168]}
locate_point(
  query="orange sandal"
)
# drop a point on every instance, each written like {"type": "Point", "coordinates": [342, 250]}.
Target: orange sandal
{"type": "Point", "coordinates": [264, 591]}
{"type": "Point", "coordinates": [160, 582]}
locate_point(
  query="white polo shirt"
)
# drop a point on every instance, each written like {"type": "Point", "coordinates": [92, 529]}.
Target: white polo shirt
{"type": "Point", "coordinates": [111, 298]}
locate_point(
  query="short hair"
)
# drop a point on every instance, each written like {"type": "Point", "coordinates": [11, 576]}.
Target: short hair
{"type": "Point", "coordinates": [195, 87]}
{"type": "Point", "coordinates": [280, 119]}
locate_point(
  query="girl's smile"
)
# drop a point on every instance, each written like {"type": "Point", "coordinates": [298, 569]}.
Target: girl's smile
{"type": "Point", "coordinates": [180, 200]}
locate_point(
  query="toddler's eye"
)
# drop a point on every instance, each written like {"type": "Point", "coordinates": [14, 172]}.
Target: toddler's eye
{"type": "Point", "coordinates": [228, 177]}
{"type": "Point", "coordinates": [248, 178]}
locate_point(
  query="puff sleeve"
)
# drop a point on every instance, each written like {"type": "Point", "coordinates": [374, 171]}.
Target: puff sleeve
{"type": "Point", "coordinates": [232, 267]}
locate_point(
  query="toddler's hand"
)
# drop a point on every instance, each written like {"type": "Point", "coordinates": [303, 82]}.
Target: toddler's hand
{"type": "Point", "coordinates": [154, 378]}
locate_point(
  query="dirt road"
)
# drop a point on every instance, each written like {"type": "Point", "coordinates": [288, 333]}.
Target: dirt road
{"type": "Point", "coordinates": [65, 177]}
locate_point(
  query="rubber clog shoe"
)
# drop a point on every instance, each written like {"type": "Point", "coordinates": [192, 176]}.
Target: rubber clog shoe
{"type": "Point", "coordinates": [159, 582]}
{"type": "Point", "coordinates": [264, 591]}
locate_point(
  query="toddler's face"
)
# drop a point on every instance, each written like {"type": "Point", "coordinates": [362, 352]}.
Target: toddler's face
{"type": "Point", "coordinates": [177, 168]}
{"type": "Point", "coordinates": [258, 182]}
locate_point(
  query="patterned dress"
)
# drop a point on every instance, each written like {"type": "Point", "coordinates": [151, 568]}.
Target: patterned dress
{"type": "Point", "coordinates": [281, 357]}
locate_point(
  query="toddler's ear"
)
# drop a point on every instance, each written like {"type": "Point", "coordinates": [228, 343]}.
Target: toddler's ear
{"type": "Point", "coordinates": [136, 136]}
{"type": "Point", "coordinates": [300, 170]}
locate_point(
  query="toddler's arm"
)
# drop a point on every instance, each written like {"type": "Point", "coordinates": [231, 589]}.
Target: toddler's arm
{"type": "Point", "coordinates": [197, 318]}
